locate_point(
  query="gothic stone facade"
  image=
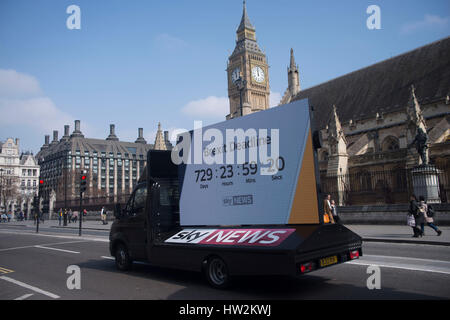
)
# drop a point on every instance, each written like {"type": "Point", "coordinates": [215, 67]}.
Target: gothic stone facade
{"type": "Point", "coordinates": [376, 111]}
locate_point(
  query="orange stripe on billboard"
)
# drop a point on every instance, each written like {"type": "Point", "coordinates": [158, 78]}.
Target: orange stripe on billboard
{"type": "Point", "coordinates": [304, 207]}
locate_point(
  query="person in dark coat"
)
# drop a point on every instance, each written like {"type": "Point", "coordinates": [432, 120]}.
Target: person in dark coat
{"type": "Point", "coordinates": [418, 217]}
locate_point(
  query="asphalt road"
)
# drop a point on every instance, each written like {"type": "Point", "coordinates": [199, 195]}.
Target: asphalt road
{"type": "Point", "coordinates": [34, 267]}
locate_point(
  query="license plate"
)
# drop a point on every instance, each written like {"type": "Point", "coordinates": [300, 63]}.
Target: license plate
{"type": "Point", "coordinates": [328, 261]}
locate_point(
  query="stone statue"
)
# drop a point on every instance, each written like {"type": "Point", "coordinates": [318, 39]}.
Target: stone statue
{"type": "Point", "coordinates": [420, 141]}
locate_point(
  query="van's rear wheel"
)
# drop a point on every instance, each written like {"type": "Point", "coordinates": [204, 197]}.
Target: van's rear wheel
{"type": "Point", "coordinates": [123, 260]}
{"type": "Point", "coordinates": [217, 274]}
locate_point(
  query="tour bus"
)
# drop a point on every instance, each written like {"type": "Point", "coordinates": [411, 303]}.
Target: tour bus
{"type": "Point", "coordinates": [203, 206]}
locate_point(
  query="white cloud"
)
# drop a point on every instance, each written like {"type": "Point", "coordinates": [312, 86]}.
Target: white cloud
{"type": "Point", "coordinates": [22, 103]}
{"type": "Point", "coordinates": [429, 21]}
{"type": "Point", "coordinates": [210, 107]}
{"type": "Point", "coordinates": [214, 107]}
{"type": "Point", "coordinates": [274, 99]}
{"type": "Point", "coordinates": [17, 85]}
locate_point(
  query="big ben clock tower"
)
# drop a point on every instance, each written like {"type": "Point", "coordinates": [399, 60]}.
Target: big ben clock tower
{"type": "Point", "coordinates": [248, 73]}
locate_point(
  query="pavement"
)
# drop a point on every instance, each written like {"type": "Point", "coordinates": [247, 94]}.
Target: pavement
{"type": "Point", "coordinates": [369, 233]}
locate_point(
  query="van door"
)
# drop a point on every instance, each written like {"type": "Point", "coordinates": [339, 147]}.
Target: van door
{"type": "Point", "coordinates": [165, 215]}
{"type": "Point", "coordinates": [135, 223]}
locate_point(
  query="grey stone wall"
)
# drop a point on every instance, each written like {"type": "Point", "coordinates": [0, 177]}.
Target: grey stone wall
{"type": "Point", "coordinates": [388, 214]}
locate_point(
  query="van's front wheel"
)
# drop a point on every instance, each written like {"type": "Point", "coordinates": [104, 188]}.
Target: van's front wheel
{"type": "Point", "coordinates": [217, 273]}
{"type": "Point", "coordinates": [123, 260]}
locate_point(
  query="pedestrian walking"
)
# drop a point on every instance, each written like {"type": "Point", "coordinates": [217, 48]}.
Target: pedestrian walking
{"type": "Point", "coordinates": [414, 218]}
{"type": "Point", "coordinates": [65, 217]}
{"type": "Point", "coordinates": [69, 214]}
{"type": "Point", "coordinates": [4, 217]}
{"type": "Point", "coordinates": [60, 216]}
{"type": "Point", "coordinates": [327, 214]}
{"type": "Point", "coordinates": [74, 216]}
{"type": "Point", "coordinates": [428, 213]}
{"type": "Point", "coordinates": [334, 212]}
{"type": "Point", "coordinates": [103, 216]}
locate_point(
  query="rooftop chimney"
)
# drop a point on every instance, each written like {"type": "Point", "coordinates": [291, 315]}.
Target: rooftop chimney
{"type": "Point", "coordinates": [66, 135]}
{"type": "Point", "coordinates": [46, 143]}
{"type": "Point", "coordinates": [55, 136]}
{"type": "Point", "coordinates": [77, 132]}
{"type": "Point", "coordinates": [112, 133]}
{"type": "Point", "coordinates": [140, 138]}
{"type": "Point", "coordinates": [17, 142]}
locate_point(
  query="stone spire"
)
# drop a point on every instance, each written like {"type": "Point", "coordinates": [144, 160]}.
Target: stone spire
{"type": "Point", "coordinates": [336, 137]}
{"type": "Point", "coordinates": [293, 76]}
{"type": "Point", "coordinates": [292, 65]}
{"type": "Point", "coordinates": [415, 118]}
{"type": "Point", "coordinates": [338, 157]}
{"type": "Point", "coordinates": [160, 144]}
{"type": "Point", "coordinates": [245, 21]}
{"type": "Point", "coordinates": [414, 122]}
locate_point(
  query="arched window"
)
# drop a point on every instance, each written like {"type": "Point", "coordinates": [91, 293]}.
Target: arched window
{"type": "Point", "coordinates": [324, 155]}
{"type": "Point", "coordinates": [390, 143]}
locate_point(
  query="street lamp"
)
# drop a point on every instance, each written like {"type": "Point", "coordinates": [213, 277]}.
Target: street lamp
{"type": "Point", "coordinates": [240, 84]}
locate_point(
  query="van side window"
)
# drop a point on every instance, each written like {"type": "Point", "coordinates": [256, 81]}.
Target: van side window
{"type": "Point", "coordinates": [139, 198]}
{"type": "Point", "coordinates": [129, 205]}
{"type": "Point", "coordinates": [169, 195]}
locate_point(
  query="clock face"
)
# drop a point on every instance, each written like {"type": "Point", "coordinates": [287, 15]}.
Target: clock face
{"type": "Point", "coordinates": [235, 75]}
{"type": "Point", "coordinates": [258, 74]}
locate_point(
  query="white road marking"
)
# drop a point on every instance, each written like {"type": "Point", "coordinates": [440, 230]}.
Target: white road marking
{"type": "Point", "coordinates": [406, 258]}
{"type": "Point", "coordinates": [27, 286]}
{"type": "Point", "coordinates": [25, 296]}
{"type": "Point", "coordinates": [110, 258]}
{"type": "Point", "coordinates": [105, 239]}
{"type": "Point", "coordinates": [45, 244]}
{"type": "Point", "coordinates": [56, 249]}
{"type": "Point", "coordinates": [405, 263]}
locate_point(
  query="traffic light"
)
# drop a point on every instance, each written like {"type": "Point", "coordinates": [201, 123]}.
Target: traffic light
{"type": "Point", "coordinates": [83, 181]}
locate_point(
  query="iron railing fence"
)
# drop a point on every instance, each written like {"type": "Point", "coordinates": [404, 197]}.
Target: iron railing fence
{"type": "Point", "coordinates": [380, 187]}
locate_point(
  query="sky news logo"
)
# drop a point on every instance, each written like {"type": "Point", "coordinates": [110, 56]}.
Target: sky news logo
{"type": "Point", "coordinates": [238, 200]}
{"type": "Point", "coordinates": [241, 237]}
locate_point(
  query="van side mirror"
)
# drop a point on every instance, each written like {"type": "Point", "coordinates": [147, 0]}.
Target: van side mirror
{"type": "Point", "coordinates": [117, 211]}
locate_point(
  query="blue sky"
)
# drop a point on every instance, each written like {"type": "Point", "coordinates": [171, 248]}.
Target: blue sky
{"type": "Point", "coordinates": [135, 63]}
